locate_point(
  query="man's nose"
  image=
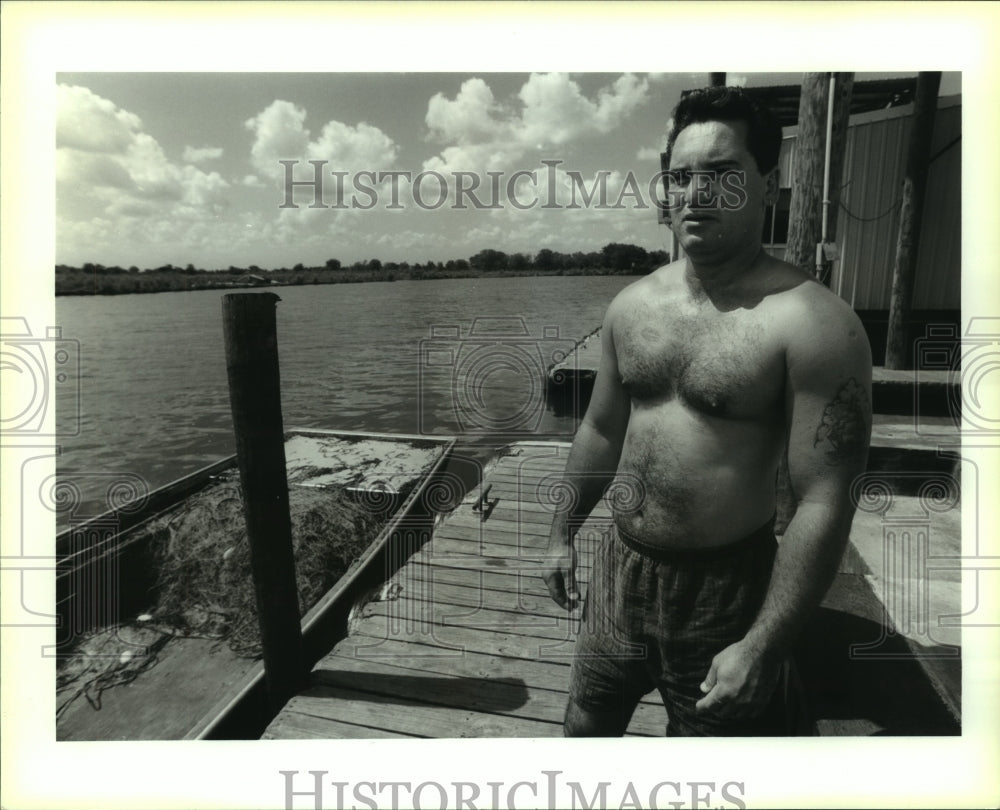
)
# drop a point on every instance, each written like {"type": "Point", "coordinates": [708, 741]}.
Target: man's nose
{"type": "Point", "coordinates": [703, 190]}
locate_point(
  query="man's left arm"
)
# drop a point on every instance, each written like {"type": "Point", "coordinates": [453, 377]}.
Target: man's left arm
{"type": "Point", "coordinates": [828, 402]}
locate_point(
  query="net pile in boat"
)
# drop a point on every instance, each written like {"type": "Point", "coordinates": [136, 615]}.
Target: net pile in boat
{"type": "Point", "coordinates": [205, 586]}
{"type": "Point", "coordinates": [203, 556]}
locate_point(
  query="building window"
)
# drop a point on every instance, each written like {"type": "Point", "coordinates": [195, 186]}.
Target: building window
{"type": "Point", "coordinates": [776, 220]}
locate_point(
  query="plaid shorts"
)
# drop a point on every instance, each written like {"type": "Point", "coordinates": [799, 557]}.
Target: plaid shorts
{"type": "Point", "coordinates": [655, 618]}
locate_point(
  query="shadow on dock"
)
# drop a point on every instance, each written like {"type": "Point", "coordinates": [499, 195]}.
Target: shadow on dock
{"type": "Point", "coordinates": [478, 694]}
{"type": "Point", "coordinates": [863, 679]}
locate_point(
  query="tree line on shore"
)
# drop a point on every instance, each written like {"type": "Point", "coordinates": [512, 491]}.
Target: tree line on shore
{"type": "Point", "coordinates": [613, 258]}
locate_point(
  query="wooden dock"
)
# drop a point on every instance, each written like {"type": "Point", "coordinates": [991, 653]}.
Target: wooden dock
{"type": "Point", "coordinates": [464, 640]}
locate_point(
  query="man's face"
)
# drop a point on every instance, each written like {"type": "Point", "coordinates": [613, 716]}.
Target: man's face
{"type": "Point", "coordinates": [718, 193]}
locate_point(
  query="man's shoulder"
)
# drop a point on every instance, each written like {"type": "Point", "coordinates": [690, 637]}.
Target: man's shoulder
{"type": "Point", "coordinates": [809, 305]}
{"type": "Point", "coordinates": [815, 321]}
{"type": "Point", "coordinates": [657, 282]}
{"type": "Point", "coordinates": [643, 289]}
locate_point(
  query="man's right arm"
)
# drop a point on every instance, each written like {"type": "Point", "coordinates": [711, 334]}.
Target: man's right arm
{"type": "Point", "coordinates": [592, 463]}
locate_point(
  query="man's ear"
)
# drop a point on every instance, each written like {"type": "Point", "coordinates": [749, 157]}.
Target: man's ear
{"type": "Point", "coordinates": [771, 186]}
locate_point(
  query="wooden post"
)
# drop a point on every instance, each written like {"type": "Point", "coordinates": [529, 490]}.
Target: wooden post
{"type": "Point", "coordinates": [718, 79]}
{"type": "Point", "coordinates": [255, 397]}
{"type": "Point", "coordinates": [807, 174]}
{"type": "Point", "coordinates": [805, 216]}
{"type": "Point", "coordinates": [897, 354]}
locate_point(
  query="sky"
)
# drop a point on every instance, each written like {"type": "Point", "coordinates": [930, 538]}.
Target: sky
{"type": "Point", "coordinates": [183, 168]}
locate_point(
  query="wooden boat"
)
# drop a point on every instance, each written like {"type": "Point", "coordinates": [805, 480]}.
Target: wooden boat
{"type": "Point", "coordinates": [198, 687]}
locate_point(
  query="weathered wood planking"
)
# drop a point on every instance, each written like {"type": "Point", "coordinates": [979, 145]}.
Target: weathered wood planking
{"type": "Point", "coordinates": [464, 640]}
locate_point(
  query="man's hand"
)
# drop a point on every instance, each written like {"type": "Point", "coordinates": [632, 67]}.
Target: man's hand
{"type": "Point", "coordinates": [739, 683]}
{"type": "Point", "coordinates": [559, 573]}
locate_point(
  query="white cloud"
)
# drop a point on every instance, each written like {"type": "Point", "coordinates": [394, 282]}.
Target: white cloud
{"type": "Point", "coordinates": [252, 181]}
{"type": "Point", "coordinates": [358, 148]}
{"type": "Point", "coordinates": [280, 134]}
{"type": "Point", "coordinates": [648, 153]}
{"type": "Point", "coordinates": [480, 134]}
{"type": "Point", "coordinates": [617, 102]}
{"type": "Point", "coordinates": [194, 154]}
{"type": "Point", "coordinates": [736, 80]}
{"type": "Point", "coordinates": [472, 116]}
{"type": "Point", "coordinates": [115, 183]}
{"type": "Point", "coordinates": [554, 109]}
{"type": "Point", "coordinates": [89, 123]}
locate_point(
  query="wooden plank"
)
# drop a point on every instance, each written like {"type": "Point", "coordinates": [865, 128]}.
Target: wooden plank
{"type": "Point", "coordinates": [537, 603]}
{"type": "Point", "coordinates": [532, 521]}
{"type": "Point", "coordinates": [294, 725]}
{"type": "Point", "coordinates": [486, 691]}
{"type": "Point", "coordinates": [484, 546]}
{"type": "Point", "coordinates": [474, 562]}
{"type": "Point", "coordinates": [461, 530]}
{"type": "Point", "coordinates": [509, 512]}
{"type": "Point", "coordinates": [537, 517]}
{"type": "Point", "coordinates": [473, 523]}
{"type": "Point", "coordinates": [482, 654]}
{"type": "Point", "coordinates": [420, 616]}
{"type": "Point", "coordinates": [534, 541]}
{"type": "Point", "coordinates": [903, 435]}
{"type": "Point", "coordinates": [443, 548]}
{"type": "Point", "coordinates": [457, 638]}
{"type": "Point", "coordinates": [532, 486]}
{"type": "Point", "coordinates": [442, 567]}
{"type": "Point", "coordinates": [529, 582]}
{"type": "Point", "coordinates": [453, 640]}
{"type": "Point", "coordinates": [476, 608]}
{"type": "Point", "coordinates": [540, 456]}
{"type": "Point", "coordinates": [411, 717]}
{"type": "Point", "coordinates": [449, 641]}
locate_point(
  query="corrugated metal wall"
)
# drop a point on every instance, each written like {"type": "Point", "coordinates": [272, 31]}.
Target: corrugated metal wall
{"type": "Point", "coordinates": [868, 221]}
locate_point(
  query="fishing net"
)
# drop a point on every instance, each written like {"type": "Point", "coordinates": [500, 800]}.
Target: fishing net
{"type": "Point", "coordinates": [205, 586]}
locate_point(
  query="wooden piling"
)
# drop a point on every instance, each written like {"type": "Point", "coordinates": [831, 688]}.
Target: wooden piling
{"type": "Point", "coordinates": [898, 353]}
{"type": "Point", "coordinates": [255, 397]}
{"type": "Point", "coordinates": [806, 214]}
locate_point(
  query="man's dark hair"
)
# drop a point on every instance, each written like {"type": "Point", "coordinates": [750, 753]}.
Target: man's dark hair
{"type": "Point", "coordinates": [730, 104]}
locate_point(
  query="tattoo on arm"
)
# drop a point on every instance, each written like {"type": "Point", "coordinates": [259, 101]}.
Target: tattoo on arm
{"type": "Point", "coordinates": [844, 429]}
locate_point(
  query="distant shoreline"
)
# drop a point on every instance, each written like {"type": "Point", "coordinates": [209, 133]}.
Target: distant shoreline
{"type": "Point", "coordinates": [72, 282]}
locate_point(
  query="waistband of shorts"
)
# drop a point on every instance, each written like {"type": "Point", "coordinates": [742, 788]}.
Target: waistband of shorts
{"type": "Point", "coordinates": [759, 537]}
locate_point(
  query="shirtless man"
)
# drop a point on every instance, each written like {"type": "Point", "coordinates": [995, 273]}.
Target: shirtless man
{"type": "Point", "coordinates": [710, 368]}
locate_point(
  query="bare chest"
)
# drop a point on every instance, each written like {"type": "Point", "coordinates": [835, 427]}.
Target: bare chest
{"type": "Point", "coordinates": [723, 365]}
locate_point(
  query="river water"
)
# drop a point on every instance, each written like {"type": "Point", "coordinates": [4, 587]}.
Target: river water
{"type": "Point", "coordinates": [462, 357]}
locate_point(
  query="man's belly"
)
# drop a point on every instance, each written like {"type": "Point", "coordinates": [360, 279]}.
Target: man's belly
{"type": "Point", "coordinates": [690, 481]}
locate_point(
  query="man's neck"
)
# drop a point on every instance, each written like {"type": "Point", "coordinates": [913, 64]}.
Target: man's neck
{"type": "Point", "coordinates": [719, 277]}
